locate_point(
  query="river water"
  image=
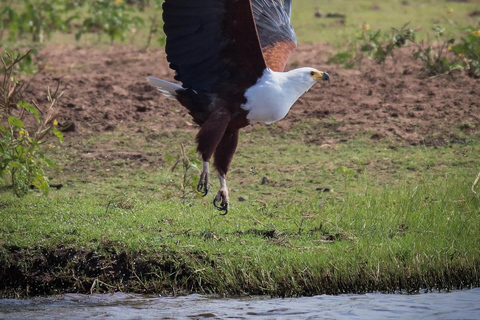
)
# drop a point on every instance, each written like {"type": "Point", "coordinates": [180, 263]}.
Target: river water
{"type": "Point", "coordinates": [453, 305]}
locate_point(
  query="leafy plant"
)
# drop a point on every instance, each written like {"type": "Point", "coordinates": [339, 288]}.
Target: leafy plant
{"type": "Point", "coordinates": [38, 18]}
{"type": "Point", "coordinates": [439, 55]}
{"type": "Point", "coordinates": [27, 65]}
{"type": "Point", "coordinates": [111, 17]}
{"type": "Point", "coordinates": [371, 43]}
{"type": "Point", "coordinates": [189, 161]}
{"type": "Point", "coordinates": [42, 17]}
{"type": "Point", "coordinates": [434, 54]}
{"type": "Point", "coordinates": [155, 24]}
{"type": "Point", "coordinates": [469, 51]}
{"type": "Point", "coordinates": [21, 158]}
{"type": "Point", "coordinates": [9, 20]}
{"type": "Point", "coordinates": [375, 45]}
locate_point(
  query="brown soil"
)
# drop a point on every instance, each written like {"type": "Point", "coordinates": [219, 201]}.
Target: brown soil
{"type": "Point", "coordinates": [106, 89]}
{"type": "Point", "coordinates": [64, 270]}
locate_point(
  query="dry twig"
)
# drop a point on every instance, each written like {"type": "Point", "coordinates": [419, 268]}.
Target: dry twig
{"type": "Point", "coordinates": [475, 183]}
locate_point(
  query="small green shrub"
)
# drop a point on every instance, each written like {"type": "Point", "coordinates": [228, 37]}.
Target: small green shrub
{"type": "Point", "coordinates": [21, 157]}
{"type": "Point", "coordinates": [435, 54]}
{"type": "Point", "coordinates": [37, 18]}
{"type": "Point", "coordinates": [156, 24]}
{"type": "Point", "coordinates": [187, 160]}
{"type": "Point", "coordinates": [41, 17]}
{"type": "Point", "coordinates": [439, 55]}
{"type": "Point", "coordinates": [374, 45]}
{"type": "Point", "coordinates": [469, 51]}
{"type": "Point", "coordinates": [113, 18]}
{"type": "Point", "coordinates": [346, 173]}
{"type": "Point", "coordinates": [380, 46]}
{"type": "Point", "coordinates": [443, 56]}
{"type": "Point", "coordinates": [9, 20]}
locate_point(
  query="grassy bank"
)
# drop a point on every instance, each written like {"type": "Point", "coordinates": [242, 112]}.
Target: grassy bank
{"type": "Point", "coordinates": [321, 203]}
{"type": "Point", "coordinates": [362, 216]}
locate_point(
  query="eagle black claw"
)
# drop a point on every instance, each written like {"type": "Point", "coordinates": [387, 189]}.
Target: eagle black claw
{"type": "Point", "coordinates": [202, 188]}
{"type": "Point", "coordinates": [222, 207]}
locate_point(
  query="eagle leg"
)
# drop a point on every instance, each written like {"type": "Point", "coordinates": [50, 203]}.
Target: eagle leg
{"type": "Point", "coordinates": [208, 139]}
{"type": "Point", "coordinates": [203, 183]}
{"type": "Point", "coordinates": [221, 199]}
{"type": "Point", "coordinates": [223, 157]}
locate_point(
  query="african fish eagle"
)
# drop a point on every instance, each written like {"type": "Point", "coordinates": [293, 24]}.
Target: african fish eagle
{"type": "Point", "coordinates": [230, 56]}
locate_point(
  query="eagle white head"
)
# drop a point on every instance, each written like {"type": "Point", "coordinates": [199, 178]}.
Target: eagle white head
{"type": "Point", "coordinates": [270, 99]}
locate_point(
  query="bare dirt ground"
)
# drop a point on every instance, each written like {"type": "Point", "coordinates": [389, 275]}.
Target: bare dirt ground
{"type": "Point", "coordinates": [106, 89]}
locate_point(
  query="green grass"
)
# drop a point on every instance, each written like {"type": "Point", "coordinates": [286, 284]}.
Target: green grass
{"type": "Point", "coordinates": [405, 219]}
{"type": "Point", "coordinates": [422, 15]}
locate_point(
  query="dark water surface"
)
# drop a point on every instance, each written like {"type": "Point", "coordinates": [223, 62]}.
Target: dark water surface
{"type": "Point", "coordinates": [453, 305]}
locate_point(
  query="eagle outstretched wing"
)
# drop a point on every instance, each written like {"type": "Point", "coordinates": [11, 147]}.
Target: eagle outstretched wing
{"type": "Point", "coordinates": [225, 45]}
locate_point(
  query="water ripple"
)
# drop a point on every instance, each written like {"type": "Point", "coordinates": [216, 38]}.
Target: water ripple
{"type": "Point", "coordinates": [461, 305]}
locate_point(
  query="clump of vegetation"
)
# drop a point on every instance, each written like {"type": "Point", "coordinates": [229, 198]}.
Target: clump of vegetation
{"type": "Point", "coordinates": [439, 56]}
{"type": "Point", "coordinates": [189, 162]}
{"type": "Point", "coordinates": [156, 24]}
{"type": "Point", "coordinates": [442, 56]}
{"type": "Point", "coordinates": [112, 18]}
{"type": "Point", "coordinates": [374, 45]}
{"type": "Point", "coordinates": [22, 160]}
{"type": "Point", "coordinates": [469, 51]}
{"type": "Point", "coordinates": [37, 18]}
{"type": "Point", "coordinates": [378, 50]}
{"type": "Point", "coordinates": [40, 18]}
{"type": "Point", "coordinates": [347, 58]}
{"type": "Point", "coordinates": [435, 55]}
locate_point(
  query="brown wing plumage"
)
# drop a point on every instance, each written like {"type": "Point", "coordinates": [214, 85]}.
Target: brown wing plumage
{"type": "Point", "coordinates": [277, 37]}
{"type": "Point", "coordinates": [276, 55]}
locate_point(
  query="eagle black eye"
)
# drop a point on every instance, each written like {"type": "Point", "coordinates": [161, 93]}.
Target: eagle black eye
{"type": "Point", "coordinates": [312, 73]}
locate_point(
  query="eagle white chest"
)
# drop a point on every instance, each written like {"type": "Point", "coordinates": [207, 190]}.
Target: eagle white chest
{"type": "Point", "coordinates": [270, 99]}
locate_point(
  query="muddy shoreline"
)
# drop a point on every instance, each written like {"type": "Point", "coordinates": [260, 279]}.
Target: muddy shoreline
{"type": "Point", "coordinates": [41, 272]}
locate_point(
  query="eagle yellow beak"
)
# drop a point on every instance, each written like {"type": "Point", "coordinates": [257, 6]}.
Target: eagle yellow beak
{"type": "Point", "coordinates": [320, 75]}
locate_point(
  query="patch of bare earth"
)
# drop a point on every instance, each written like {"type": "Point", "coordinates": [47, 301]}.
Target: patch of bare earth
{"type": "Point", "coordinates": [106, 89]}
{"type": "Point", "coordinates": [391, 101]}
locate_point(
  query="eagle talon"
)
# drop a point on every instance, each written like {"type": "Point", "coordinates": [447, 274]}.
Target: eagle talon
{"type": "Point", "coordinates": [226, 211]}
{"type": "Point", "coordinates": [202, 188]}
{"type": "Point", "coordinates": [202, 185]}
{"type": "Point", "coordinates": [222, 207]}
{"type": "Point", "coordinates": [219, 207]}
